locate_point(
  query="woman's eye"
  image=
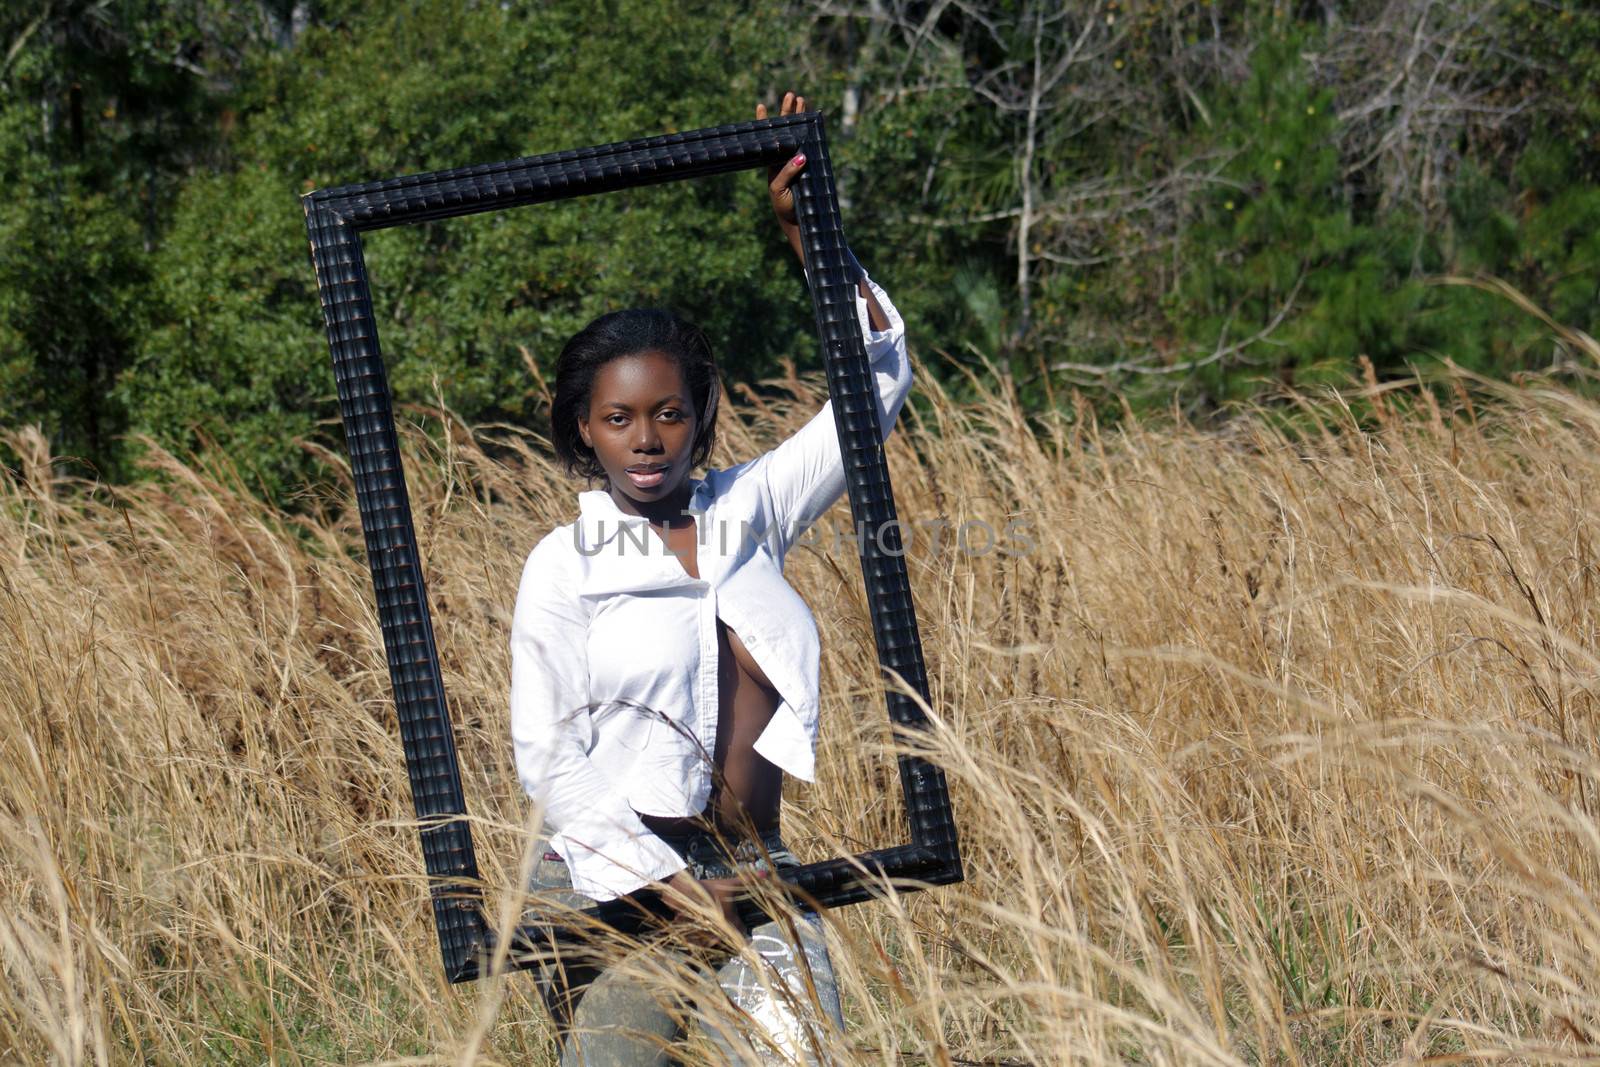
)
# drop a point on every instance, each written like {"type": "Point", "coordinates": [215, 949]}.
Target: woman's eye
{"type": "Point", "coordinates": [617, 420]}
{"type": "Point", "coordinates": [671, 415]}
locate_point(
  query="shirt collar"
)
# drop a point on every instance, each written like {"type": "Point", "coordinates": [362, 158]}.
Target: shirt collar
{"type": "Point", "coordinates": [600, 520]}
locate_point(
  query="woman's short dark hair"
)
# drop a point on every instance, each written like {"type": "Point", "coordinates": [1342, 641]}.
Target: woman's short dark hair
{"type": "Point", "coordinates": [626, 333]}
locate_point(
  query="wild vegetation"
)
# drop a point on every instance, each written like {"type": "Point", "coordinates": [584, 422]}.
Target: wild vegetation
{"type": "Point", "coordinates": [1168, 201]}
{"type": "Point", "coordinates": [1279, 747]}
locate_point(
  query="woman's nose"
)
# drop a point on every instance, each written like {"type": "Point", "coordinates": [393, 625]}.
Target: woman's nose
{"type": "Point", "coordinates": [647, 440]}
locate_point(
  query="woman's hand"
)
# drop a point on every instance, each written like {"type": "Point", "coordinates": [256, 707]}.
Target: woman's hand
{"type": "Point", "coordinates": [780, 178]}
{"type": "Point", "coordinates": [690, 898]}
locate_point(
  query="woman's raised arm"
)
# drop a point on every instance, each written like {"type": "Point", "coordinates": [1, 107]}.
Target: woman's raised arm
{"type": "Point", "coordinates": [805, 474]}
{"type": "Point", "coordinates": [779, 180]}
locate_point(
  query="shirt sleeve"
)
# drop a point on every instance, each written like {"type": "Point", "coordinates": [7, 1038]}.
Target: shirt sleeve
{"type": "Point", "coordinates": [804, 475]}
{"type": "Point", "coordinates": [612, 851]}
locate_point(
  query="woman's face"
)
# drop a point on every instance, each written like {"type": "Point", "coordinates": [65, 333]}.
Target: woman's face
{"type": "Point", "coordinates": [641, 424]}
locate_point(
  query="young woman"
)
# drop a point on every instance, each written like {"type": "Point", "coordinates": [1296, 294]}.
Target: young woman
{"type": "Point", "coordinates": [664, 675]}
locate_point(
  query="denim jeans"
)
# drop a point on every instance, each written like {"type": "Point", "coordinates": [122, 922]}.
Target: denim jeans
{"type": "Point", "coordinates": [607, 1017]}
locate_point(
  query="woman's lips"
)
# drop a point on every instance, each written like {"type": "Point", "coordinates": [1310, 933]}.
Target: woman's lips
{"type": "Point", "coordinates": [647, 479]}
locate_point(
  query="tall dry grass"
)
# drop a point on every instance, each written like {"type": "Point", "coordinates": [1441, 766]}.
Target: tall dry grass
{"type": "Point", "coordinates": [1279, 747]}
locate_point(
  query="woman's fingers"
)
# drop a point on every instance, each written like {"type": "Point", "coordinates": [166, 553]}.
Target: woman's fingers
{"type": "Point", "coordinates": [780, 178]}
{"type": "Point", "coordinates": [730, 915]}
{"type": "Point", "coordinates": [706, 904]}
{"type": "Point", "coordinates": [780, 182]}
{"type": "Point", "coordinates": [793, 104]}
{"type": "Point", "coordinates": [727, 896]}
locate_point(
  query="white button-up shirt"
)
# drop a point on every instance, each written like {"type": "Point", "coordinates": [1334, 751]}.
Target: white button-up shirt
{"type": "Point", "coordinates": [614, 646]}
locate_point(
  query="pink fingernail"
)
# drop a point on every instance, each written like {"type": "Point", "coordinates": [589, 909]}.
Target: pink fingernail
{"type": "Point", "coordinates": [799, 159]}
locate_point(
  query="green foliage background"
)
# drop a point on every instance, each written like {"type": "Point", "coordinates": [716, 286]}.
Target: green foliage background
{"type": "Point", "coordinates": [1223, 195]}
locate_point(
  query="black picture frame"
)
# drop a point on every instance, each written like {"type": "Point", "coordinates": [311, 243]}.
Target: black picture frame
{"type": "Point", "coordinates": [335, 220]}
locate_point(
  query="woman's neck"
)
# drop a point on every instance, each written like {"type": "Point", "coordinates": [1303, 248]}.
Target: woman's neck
{"type": "Point", "coordinates": [659, 512]}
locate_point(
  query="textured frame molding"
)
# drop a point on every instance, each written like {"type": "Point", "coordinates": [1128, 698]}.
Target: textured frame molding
{"type": "Point", "coordinates": [335, 220]}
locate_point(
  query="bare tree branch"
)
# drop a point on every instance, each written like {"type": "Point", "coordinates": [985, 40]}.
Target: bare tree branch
{"type": "Point", "coordinates": [1221, 353]}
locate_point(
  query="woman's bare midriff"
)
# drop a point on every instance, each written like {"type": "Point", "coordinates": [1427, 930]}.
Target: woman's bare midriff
{"type": "Point", "coordinates": [746, 788]}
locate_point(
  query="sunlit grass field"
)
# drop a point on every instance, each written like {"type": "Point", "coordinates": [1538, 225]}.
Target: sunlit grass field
{"type": "Point", "coordinates": [1279, 746]}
